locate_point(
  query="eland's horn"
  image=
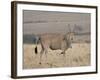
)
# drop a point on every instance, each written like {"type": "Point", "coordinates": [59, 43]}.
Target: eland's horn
{"type": "Point", "coordinates": [69, 27]}
{"type": "Point", "coordinates": [74, 28]}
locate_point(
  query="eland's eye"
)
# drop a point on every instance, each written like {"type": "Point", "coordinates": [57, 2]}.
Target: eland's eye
{"type": "Point", "coordinates": [71, 38]}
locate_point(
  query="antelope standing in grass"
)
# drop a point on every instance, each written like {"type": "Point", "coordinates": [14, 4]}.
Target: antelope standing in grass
{"type": "Point", "coordinates": [54, 42]}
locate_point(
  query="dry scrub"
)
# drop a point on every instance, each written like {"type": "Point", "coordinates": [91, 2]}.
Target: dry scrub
{"type": "Point", "coordinates": [78, 55]}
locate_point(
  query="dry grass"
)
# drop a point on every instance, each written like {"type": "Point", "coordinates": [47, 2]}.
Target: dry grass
{"type": "Point", "coordinates": [78, 55]}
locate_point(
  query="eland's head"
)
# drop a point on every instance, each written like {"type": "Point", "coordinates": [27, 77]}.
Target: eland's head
{"type": "Point", "coordinates": [69, 36]}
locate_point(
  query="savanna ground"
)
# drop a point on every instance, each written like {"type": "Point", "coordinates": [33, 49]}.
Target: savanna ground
{"type": "Point", "coordinates": [78, 55]}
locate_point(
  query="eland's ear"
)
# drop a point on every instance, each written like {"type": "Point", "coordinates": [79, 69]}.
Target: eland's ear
{"type": "Point", "coordinates": [69, 28]}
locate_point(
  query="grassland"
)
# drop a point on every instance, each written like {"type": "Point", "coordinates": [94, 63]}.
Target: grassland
{"type": "Point", "coordinates": [78, 55]}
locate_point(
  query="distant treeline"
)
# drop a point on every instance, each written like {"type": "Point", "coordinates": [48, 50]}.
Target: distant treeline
{"type": "Point", "coordinates": [86, 33]}
{"type": "Point", "coordinates": [31, 38]}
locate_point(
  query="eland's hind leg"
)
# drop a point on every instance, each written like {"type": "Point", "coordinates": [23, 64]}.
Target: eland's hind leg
{"type": "Point", "coordinates": [41, 53]}
{"type": "Point", "coordinates": [46, 56]}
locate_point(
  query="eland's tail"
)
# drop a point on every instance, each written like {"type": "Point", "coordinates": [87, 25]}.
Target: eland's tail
{"type": "Point", "coordinates": [37, 42]}
{"type": "Point", "coordinates": [36, 50]}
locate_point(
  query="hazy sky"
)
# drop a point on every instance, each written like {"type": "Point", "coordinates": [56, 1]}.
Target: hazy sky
{"type": "Point", "coordinates": [36, 22]}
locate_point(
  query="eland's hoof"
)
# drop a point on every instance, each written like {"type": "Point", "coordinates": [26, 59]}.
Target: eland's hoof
{"type": "Point", "coordinates": [39, 62]}
{"type": "Point", "coordinates": [62, 52]}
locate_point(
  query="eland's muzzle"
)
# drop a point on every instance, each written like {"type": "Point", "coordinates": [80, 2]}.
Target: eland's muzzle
{"type": "Point", "coordinates": [70, 46]}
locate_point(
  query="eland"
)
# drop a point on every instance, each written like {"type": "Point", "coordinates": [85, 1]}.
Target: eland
{"type": "Point", "coordinates": [54, 41]}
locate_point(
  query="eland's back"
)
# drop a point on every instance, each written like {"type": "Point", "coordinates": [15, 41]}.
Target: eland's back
{"type": "Point", "coordinates": [51, 40]}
